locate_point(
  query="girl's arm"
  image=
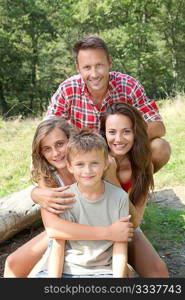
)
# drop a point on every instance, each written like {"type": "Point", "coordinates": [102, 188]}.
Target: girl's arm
{"type": "Point", "coordinates": [56, 258]}
{"type": "Point", "coordinates": [119, 260]}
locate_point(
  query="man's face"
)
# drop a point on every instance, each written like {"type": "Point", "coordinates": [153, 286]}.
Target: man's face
{"type": "Point", "coordinates": [94, 65]}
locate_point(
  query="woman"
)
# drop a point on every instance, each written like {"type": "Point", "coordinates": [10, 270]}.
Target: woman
{"type": "Point", "coordinates": [126, 135]}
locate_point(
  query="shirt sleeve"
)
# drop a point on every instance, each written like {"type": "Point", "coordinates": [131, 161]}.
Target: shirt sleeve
{"type": "Point", "coordinates": [147, 106]}
{"type": "Point", "coordinates": [59, 104]}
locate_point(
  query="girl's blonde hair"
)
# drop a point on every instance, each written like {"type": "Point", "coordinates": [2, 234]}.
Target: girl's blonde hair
{"type": "Point", "coordinates": [41, 169]}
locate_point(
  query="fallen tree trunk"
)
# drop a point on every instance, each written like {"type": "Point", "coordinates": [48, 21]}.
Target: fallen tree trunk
{"type": "Point", "coordinates": [17, 211]}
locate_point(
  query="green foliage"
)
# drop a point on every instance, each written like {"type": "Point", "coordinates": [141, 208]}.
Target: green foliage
{"type": "Point", "coordinates": [146, 40]}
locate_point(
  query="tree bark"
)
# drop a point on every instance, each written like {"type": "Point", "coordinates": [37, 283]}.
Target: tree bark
{"type": "Point", "coordinates": [3, 103]}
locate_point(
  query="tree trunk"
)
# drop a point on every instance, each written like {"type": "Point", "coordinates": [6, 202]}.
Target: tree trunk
{"type": "Point", "coordinates": [3, 103]}
{"type": "Point", "coordinates": [17, 211]}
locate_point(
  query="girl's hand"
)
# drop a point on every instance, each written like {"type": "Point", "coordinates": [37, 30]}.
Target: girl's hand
{"type": "Point", "coordinates": [55, 200]}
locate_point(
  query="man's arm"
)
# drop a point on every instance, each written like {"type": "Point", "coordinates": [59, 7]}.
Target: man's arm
{"type": "Point", "coordinates": [156, 129]}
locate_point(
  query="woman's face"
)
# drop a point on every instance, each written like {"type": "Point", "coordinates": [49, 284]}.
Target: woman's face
{"type": "Point", "coordinates": [119, 134]}
{"type": "Point", "coordinates": [53, 148]}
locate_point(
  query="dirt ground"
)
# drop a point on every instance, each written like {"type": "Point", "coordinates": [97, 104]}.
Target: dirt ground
{"type": "Point", "coordinates": [174, 257]}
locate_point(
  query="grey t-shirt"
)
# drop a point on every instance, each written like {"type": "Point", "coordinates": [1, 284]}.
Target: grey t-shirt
{"type": "Point", "coordinates": [93, 257]}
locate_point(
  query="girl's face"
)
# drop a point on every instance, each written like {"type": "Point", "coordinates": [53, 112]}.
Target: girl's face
{"type": "Point", "coordinates": [53, 148]}
{"type": "Point", "coordinates": [119, 134]}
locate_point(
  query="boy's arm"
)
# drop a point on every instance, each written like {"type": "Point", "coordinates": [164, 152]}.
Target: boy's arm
{"type": "Point", "coordinates": [56, 258]}
{"type": "Point", "coordinates": [119, 260]}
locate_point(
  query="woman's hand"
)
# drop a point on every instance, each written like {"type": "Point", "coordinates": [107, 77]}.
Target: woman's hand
{"type": "Point", "coordinates": [54, 200]}
{"type": "Point", "coordinates": [121, 230]}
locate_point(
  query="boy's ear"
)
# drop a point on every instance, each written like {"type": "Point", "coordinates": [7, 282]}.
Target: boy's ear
{"type": "Point", "coordinates": [69, 167]}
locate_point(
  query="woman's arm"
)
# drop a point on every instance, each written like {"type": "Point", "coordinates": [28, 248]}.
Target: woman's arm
{"type": "Point", "coordinates": [58, 228]}
{"type": "Point", "coordinates": [111, 176]}
{"type": "Point", "coordinates": [119, 260]}
{"type": "Point", "coordinates": [137, 212]}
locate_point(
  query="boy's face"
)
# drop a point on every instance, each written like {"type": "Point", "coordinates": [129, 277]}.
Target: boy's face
{"type": "Point", "coordinates": [88, 167]}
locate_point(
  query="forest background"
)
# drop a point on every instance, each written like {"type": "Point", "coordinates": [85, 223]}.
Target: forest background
{"type": "Point", "coordinates": [146, 40]}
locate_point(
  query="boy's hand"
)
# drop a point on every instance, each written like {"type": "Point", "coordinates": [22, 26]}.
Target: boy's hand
{"type": "Point", "coordinates": [55, 200]}
{"type": "Point", "coordinates": [121, 230]}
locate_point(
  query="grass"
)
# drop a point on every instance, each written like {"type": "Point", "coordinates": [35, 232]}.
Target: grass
{"type": "Point", "coordinates": [164, 226]}
{"type": "Point", "coordinates": [172, 111]}
{"type": "Point", "coordinates": [15, 154]}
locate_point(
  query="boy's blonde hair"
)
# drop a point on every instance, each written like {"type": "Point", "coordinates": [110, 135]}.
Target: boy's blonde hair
{"type": "Point", "coordinates": [86, 140]}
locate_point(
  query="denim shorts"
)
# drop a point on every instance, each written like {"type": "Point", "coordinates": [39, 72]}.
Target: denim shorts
{"type": "Point", "coordinates": [44, 274]}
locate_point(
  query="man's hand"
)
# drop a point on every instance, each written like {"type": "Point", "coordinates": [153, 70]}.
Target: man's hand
{"type": "Point", "coordinates": [55, 200]}
{"type": "Point", "coordinates": [121, 230]}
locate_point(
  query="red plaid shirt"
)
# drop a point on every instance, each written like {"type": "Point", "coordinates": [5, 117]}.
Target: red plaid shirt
{"type": "Point", "coordinates": [73, 102]}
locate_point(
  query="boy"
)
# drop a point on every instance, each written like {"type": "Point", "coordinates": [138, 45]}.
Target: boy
{"type": "Point", "coordinates": [100, 204]}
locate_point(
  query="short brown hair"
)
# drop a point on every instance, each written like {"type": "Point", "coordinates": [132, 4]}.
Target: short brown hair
{"type": "Point", "coordinates": [90, 42]}
{"type": "Point", "coordinates": [85, 141]}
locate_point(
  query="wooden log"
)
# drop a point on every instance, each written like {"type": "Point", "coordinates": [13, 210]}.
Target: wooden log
{"type": "Point", "coordinates": [17, 211]}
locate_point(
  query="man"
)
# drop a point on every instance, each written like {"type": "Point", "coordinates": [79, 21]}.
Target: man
{"type": "Point", "coordinates": [83, 98]}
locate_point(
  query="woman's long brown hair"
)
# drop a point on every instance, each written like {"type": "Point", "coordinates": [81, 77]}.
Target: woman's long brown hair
{"type": "Point", "coordinates": [140, 153]}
